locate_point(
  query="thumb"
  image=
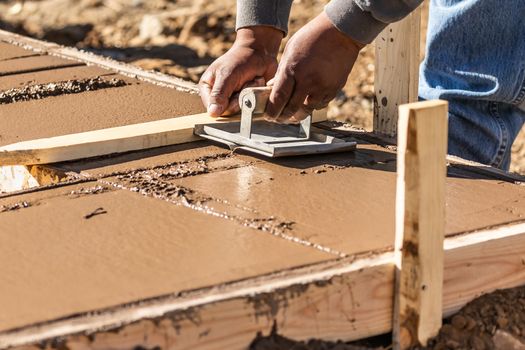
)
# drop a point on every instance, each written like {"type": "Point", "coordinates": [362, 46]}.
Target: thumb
{"type": "Point", "coordinates": [222, 90]}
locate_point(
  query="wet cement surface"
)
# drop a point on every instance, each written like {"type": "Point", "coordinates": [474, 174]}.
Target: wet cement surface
{"type": "Point", "coordinates": [189, 216]}
{"type": "Point", "coordinates": [342, 202]}
{"type": "Point", "coordinates": [61, 112]}
{"type": "Point", "coordinates": [182, 218]}
{"type": "Point", "coordinates": [83, 247]}
{"type": "Point", "coordinates": [352, 209]}
{"type": "Point", "coordinates": [8, 51]}
{"type": "Point", "coordinates": [151, 158]}
{"type": "Point", "coordinates": [34, 64]}
{"type": "Point", "coordinates": [93, 110]}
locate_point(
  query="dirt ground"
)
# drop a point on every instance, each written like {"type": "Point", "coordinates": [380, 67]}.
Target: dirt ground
{"type": "Point", "coordinates": [182, 38]}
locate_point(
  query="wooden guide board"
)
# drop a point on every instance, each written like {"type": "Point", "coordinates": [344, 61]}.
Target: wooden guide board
{"type": "Point", "coordinates": [191, 246]}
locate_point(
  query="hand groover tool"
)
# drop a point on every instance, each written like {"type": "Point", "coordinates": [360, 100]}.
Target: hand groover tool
{"type": "Point", "coordinates": [268, 138]}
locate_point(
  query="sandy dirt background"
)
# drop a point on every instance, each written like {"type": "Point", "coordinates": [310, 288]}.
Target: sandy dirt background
{"type": "Point", "coordinates": [182, 38]}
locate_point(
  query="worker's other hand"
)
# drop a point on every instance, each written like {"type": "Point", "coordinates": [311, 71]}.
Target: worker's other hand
{"type": "Point", "coordinates": [315, 66]}
{"type": "Point", "coordinates": [252, 60]}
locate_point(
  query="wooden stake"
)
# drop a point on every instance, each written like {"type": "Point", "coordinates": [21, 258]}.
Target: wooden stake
{"type": "Point", "coordinates": [396, 71]}
{"type": "Point", "coordinates": [420, 222]}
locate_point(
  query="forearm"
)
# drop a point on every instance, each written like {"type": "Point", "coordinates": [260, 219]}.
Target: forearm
{"type": "Point", "coordinates": [272, 13]}
{"type": "Point", "coordinates": [363, 20]}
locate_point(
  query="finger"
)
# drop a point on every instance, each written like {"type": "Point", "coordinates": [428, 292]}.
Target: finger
{"type": "Point", "coordinates": [223, 88]}
{"type": "Point", "coordinates": [296, 101]}
{"type": "Point", "coordinates": [271, 71]}
{"type": "Point", "coordinates": [301, 114]}
{"type": "Point", "coordinates": [233, 106]}
{"type": "Point", "coordinates": [205, 84]}
{"type": "Point", "coordinates": [281, 92]}
{"type": "Point", "coordinates": [314, 101]}
{"type": "Point", "coordinates": [258, 81]}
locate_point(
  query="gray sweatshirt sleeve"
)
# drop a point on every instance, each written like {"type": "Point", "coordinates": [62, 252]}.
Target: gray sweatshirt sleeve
{"type": "Point", "coordinates": [362, 20]}
{"type": "Point", "coordinates": [273, 13]}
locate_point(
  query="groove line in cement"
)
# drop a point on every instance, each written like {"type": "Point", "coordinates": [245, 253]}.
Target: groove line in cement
{"type": "Point", "coordinates": [40, 69]}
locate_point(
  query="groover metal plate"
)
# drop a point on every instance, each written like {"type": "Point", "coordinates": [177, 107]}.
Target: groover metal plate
{"type": "Point", "coordinates": [272, 140]}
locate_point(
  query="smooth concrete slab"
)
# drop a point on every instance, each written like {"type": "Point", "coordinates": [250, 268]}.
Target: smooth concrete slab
{"type": "Point", "coordinates": [352, 208]}
{"type": "Point", "coordinates": [56, 261]}
{"type": "Point", "coordinates": [8, 51]}
{"type": "Point", "coordinates": [33, 64]}
{"type": "Point", "coordinates": [93, 110]}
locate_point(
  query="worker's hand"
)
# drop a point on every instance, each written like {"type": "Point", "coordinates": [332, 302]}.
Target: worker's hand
{"type": "Point", "coordinates": [252, 60]}
{"type": "Point", "coordinates": [315, 66]}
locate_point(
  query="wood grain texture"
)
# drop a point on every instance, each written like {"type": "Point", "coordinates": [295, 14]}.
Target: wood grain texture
{"type": "Point", "coordinates": [109, 141]}
{"type": "Point", "coordinates": [348, 300]}
{"type": "Point", "coordinates": [396, 71]}
{"type": "Point", "coordinates": [420, 222]}
{"type": "Point", "coordinates": [102, 142]}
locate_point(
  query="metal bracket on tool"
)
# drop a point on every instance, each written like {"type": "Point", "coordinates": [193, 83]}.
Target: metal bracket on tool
{"type": "Point", "coordinates": [248, 102]}
{"type": "Point", "coordinates": [268, 138]}
{"type": "Point", "coordinates": [252, 98]}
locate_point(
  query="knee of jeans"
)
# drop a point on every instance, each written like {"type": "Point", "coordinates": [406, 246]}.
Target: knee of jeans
{"type": "Point", "coordinates": [473, 133]}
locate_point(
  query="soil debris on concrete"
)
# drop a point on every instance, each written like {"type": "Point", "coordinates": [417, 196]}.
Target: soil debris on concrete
{"type": "Point", "coordinates": [40, 91]}
{"type": "Point", "coordinates": [88, 191]}
{"type": "Point", "coordinates": [16, 206]}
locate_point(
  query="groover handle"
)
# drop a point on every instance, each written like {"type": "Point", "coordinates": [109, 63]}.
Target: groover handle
{"type": "Point", "coordinates": [261, 94]}
{"type": "Point", "coordinates": [252, 101]}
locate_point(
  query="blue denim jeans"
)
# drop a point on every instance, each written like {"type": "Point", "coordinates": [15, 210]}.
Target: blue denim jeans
{"type": "Point", "coordinates": [475, 59]}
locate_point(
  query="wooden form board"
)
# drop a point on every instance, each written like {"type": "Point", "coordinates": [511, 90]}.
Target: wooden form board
{"type": "Point", "coordinates": [420, 222]}
{"type": "Point", "coordinates": [348, 299]}
{"type": "Point", "coordinates": [396, 71]}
